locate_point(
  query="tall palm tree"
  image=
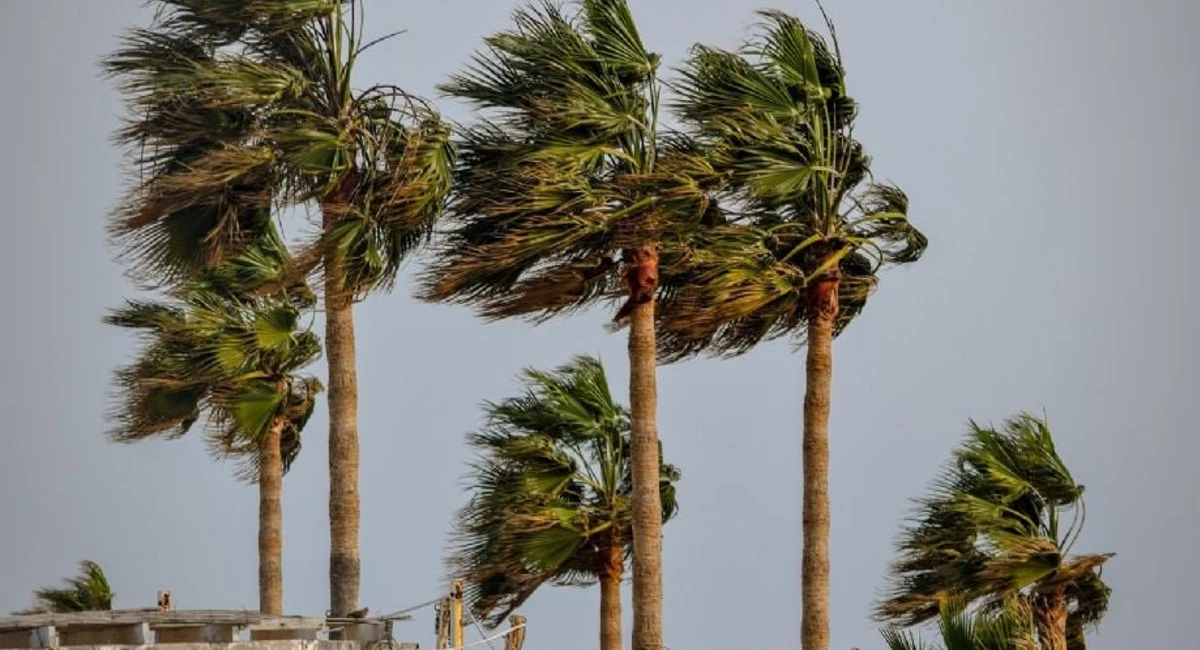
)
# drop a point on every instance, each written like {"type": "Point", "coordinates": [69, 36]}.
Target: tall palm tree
{"type": "Point", "coordinates": [236, 361]}
{"type": "Point", "coordinates": [998, 528]}
{"type": "Point", "coordinates": [241, 109]}
{"type": "Point", "coordinates": [802, 235]}
{"type": "Point", "coordinates": [567, 194]}
{"type": "Point", "coordinates": [88, 591]}
{"type": "Point", "coordinates": [962, 629]}
{"type": "Point", "coordinates": [552, 497]}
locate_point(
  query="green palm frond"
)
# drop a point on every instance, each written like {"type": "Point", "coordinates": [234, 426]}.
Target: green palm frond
{"type": "Point", "coordinates": [230, 438]}
{"type": "Point", "coordinates": [88, 591]}
{"type": "Point", "coordinates": [565, 168]}
{"type": "Point", "coordinates": [550, 491]}
{"type": "Point", "coordinates": [776, 124]}
{"type": "Point", "coordinates": [226, 21]}
{"type": "Point", "coordinates": [241, 110]}
{"type": "Point", "coordinates": [216, 349]}
{"type": "Point", "coordinates": [960, 628]}
{"type": "Point", "coordinates": [264, 268]}
{"type": "Point", "coordinates": [998, 525]}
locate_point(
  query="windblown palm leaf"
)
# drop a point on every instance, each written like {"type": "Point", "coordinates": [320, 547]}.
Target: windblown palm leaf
{"type": "Point", "coordinates": [88, 591]}
{"type": "Point", "coordinates": [962, 629]}
{"type": "Point", "coordinates": [565, 171]}
{"type": "Point", "coordinates": [799, 202]}
{"type": "Point", "coordinates": [551, 491]}
{"type": "Point", "coordinates": [999, 526]}
{"type": "Point", "coordinates": [217, 351]}
{"type": "Point", "coordinates": [237, 108]}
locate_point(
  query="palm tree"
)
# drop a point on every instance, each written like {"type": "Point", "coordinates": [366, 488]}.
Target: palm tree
{"type": "Point", "coordinates": [803, 234]}
{"type": "Point", "coordinates": [552, 496]}
{"type": "Point", "coordinates": [86, 592]}
{"type": "Point", "coordinates": [236, 360]}
{"type": "Point", "coordinates": [566, 194]}
{"type": "Point", "coordinates": [961, 629]}
{"type": "Point", "coordinates": [997, 529]}
{"type": "Point", "coordinates": [241, 109]}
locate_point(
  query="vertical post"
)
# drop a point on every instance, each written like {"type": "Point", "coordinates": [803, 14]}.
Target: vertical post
{"type": "Point", "coordinates": [516, 635]}
{"type": "Point", "coordinates": [442, 623]}
{"type": "Point", "coordinates": [458, 615]}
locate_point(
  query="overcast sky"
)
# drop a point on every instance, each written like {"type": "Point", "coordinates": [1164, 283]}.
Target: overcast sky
{"type": "Point", "coordinates": [1049, 152]}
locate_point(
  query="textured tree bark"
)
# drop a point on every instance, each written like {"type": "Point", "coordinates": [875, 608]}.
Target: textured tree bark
{"type": "Point", "coordinates": [610, 599]}
{"type": "Point", "coordinates": [270, 521]}
{"type": "Point", "coordinates": [1051, 611]}
{"type": "Point", "coordinates": [644, 461]}
{"type": "Point", "coordinates": [344, 565]}
{"type": "Point", "coordinates": [1076, 640]}
{"type": "Point", "coordinates": [814, 580]}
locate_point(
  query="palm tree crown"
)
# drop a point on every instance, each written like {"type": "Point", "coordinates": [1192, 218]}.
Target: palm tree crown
{"type": "Point", "coordinates": [240, 106]}
{"type": "Point", "coordinates": [551, 500]}
{"type": "Point", "coordinates": [88, 591]}
{"type": "Point", "coordinates": [798, 202]}
{"type": "Point", "coordinates": [962, 629]}
{"type": "Point", "coordinates": [231, 357]}
{"type": "Point", "coordinates": [998, 528]}
{"type": "Point", "coordinates": [565, 176]}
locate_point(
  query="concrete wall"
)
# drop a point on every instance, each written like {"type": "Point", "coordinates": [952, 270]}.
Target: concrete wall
{"type": "Point", "coordinates": [293, 644]}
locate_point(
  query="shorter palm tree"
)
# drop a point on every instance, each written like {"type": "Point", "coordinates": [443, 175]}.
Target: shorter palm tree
{"type": "Point", "coordinates": [241, 111]}
{"type": "Point", "coordinates": [86, 592]}
{"type": "Point", "coordinates": [961, 629]}
{"type": "Point", "coordinates": [997, 530]}
{"type": "Point", "coordinates": [235, 359]}
{"type": "Point", "coordinates": [552, 496]}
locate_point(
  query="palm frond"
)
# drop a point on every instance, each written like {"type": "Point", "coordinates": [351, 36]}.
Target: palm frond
{"type": "Point", "coordinates": [239, 111]}
{"type": "Point", "coordinates": [961, 628]}
{"type": "Point", "coordinates": [776, 123]}
{"type": "Point", "coordinates": [566, 168]}
{"type": "Point", "coordinates": [217, 349]}
{"type": "Point", "coordinates": [550, 491]}
{"type": "Point", "coordinates": [989, 532]}
{"type": "Point", "coordinates": [87, 591]}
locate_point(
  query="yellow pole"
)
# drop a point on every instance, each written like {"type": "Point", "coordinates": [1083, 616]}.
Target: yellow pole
{"type": "Point", "coordinates": [458, 615]}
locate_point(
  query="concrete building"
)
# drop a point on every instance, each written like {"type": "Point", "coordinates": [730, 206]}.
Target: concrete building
{"type": "Point", "coordinates": [196, 630]}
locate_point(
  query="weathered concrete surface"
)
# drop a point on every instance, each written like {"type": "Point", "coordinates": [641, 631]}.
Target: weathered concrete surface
{"type": "Point", "coordinates": [195, 634]}
{"type": "Point", "coordinates": [194, 630]}
{"type": "Point", "coordinates": [291, 644]}
{"type": "Point", "coordinates": [210, 629]}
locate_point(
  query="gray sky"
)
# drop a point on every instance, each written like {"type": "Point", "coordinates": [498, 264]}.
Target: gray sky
{"type": "Point", "coordinates": [1047, 148]}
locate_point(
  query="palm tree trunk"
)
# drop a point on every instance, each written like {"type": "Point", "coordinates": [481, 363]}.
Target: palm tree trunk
{"type": "Point", "coordinates": [1075, 635]}
{"type": "Point", "coordinates": [1051, 612]}
{"type": "Point", "coordinates": [344, 566]}
{"type": "Point", "coordinates": [642, 277]}
{"type": "Point", "coordinates": [610, 598]}
{"type": "Point", "coordinates": [270, 521]}
{"type": "Point", "coordinates": [814, 580]}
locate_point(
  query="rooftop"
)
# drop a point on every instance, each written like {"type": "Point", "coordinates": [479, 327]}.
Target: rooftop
{"type": "Point", "coordinates": [208, 629]}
